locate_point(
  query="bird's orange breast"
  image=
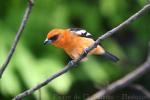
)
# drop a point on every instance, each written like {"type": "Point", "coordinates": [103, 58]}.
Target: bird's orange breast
{"type": "Point", "coordinates": [78, 44]}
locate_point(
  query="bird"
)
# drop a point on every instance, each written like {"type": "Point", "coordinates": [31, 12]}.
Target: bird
{"type": "Point", "coordinates": [74, 41]}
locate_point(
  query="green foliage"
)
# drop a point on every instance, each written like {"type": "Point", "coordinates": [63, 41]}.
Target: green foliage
{"type": "Point", "coordinates": [33, 62]}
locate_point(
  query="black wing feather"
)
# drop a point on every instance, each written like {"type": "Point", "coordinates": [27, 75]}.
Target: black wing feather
{"type": "Point", "coordinates": [81, 32]}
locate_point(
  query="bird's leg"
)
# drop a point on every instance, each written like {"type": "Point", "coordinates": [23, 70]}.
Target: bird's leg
{"type": "Point", "coordinates": [85, 53]}
{"type": "Point", "coordinates": [71, 62]}
{"type": "Point", "coordinates": [85, 50]}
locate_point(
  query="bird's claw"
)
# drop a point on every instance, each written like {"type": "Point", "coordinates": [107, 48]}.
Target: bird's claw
{"type": "Point", "coordinates": [85, 50]}
{"type": "Point", "coordinates": [71, 62]}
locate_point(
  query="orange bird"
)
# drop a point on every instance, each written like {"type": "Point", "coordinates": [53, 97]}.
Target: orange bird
{"type": "Point", "coordinates": [74, 41]}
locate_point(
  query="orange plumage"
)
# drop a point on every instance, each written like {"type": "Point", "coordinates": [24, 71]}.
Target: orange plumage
{"type": "Point", "coordinates": [74, 41]}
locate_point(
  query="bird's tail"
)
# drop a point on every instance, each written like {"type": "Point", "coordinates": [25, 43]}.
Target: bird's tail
{"type": "Point", "coordinates": [110, 56]}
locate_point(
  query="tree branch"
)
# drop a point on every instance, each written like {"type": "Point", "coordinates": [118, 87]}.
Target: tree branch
{"type": "Point", "coordinates": [141, 89]}
{"type": "Point", "coordinates": [72, 63]}
{"type": "Point", "coordinates": [17, 38]}
{"type": "Point", "coordinates": [123, 82]}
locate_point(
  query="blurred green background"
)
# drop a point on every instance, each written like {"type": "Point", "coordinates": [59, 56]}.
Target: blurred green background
{"type": "Point", "coordinates": [33, 62]}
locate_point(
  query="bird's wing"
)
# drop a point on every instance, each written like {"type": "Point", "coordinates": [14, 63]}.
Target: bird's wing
{"type": "Point", "coordinates": [81, 32]}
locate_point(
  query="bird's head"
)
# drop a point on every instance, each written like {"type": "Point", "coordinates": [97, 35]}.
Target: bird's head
{"type": "Point", "coordinates": [54, 36]}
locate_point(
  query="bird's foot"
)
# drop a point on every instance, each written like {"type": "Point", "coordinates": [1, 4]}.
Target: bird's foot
{"type": "Point", "coordinates": [85, 50]}
{"type": "Point", "coordinates": [71, 62]}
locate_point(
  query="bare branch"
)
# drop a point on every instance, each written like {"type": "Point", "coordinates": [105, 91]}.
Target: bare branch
{"type": "Point", "coordinates": [141, 89]}
{"type": "Point", "coordinates": [123, 82]}
{"type": "Point", "coordinates": [74, 62]}
{"type": "Point", "coordinates": [17, 38]}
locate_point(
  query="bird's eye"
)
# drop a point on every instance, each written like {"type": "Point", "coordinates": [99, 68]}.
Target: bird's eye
{"type": "Point", "coordinates": [53, 38]}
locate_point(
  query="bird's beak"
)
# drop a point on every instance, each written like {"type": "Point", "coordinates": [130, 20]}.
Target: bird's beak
{"type": "Point", "coordinates": [47, 41]}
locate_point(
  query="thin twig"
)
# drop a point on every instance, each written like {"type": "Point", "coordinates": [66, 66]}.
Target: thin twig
{"type": "Point", "coordinates": [141, 89]}
{"type": "Point", "coordinates": [123, 82]}
{"type": "Point", "coordinates": [74, 62]}
{"type": "Point", "coordinates": [17, 38]}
